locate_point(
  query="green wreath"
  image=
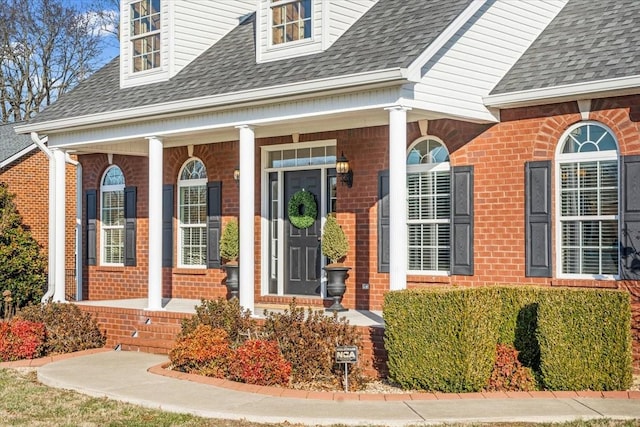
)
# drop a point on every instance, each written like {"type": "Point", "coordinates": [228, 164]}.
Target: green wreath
{"type": "Point", "coordinates": [302, 209]}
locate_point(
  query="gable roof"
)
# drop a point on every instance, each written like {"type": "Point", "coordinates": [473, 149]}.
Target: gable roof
{"type": "Point", "coordinates": [13, 145]}
{"type": "Point", "coordinates": [588, 41]}
{"type": "Point", "coordinates": [391, 35]}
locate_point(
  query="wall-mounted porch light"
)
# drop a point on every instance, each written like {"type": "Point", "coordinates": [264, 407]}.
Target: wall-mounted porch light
{"type": "Point", "coordinates": [344, 171]}
{"type": "Point", "coordinates": [236, 174]}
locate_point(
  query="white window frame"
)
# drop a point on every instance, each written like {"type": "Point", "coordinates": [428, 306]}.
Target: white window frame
{"type": "Point", "coordinates": [182, 227]}
{"type": "Point", "coordinates": [427, 168]}
{"type": "Point", "coordinates": [564, 158]}
{"type": "Point", "coordinates": [155, 33]}
{"type": "Point", "coordinates": [104, 228]}
{"type": "Point", "coordinates": [279, 3]}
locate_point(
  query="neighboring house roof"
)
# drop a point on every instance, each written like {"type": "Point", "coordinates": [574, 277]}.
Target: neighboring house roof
{"type": "Point", "coordinates": [588, 41]}
{"type": "Point", "coordinates": [392, 34]}
{"type": "Point", "coordinates": [12, 145]}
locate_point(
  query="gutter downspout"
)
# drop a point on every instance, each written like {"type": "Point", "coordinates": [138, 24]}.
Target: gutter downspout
{"type": "Point", "coordinates": [52, 214]}
{"type": "Point", "coordinates": [78, 166]}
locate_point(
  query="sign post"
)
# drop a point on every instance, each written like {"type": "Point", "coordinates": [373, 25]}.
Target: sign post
{"type": "Point", "coordinates": [346, 354]}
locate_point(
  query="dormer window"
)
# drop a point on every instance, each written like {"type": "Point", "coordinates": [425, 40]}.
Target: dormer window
{"type": "Point", "coordinates": [290, 21]}
{"type": "Point", "coordinates": [145, 34]}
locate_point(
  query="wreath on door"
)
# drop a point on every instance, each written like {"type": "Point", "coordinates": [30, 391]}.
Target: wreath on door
{"type": "Point", "coordinates": [302, 209]}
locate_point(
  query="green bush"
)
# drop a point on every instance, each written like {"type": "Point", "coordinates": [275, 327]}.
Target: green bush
{"type": "Point", "coordinates": [308, 341]}
{"type": "Point", "coordinates": [585, 339]}
{"type": "Point", "coordinates": [68, 328]}
{"type": "Point", "coordinates": [230, 241]}
{"type": "Point", "coordinates": [519, 322]}
{"type": "Point", "coordinates": [22, 266]}
{"type": "Point", "coordinates": [442, 339]}
{"type": "Point", "coordinates": [335, 245]}
{"type": "Point", "coordinates": [222, 314]}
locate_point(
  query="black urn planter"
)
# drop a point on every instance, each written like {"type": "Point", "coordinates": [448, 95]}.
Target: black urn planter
{"type": "Point", "coordinates": [232, 270]}
{"type": "Point", "coordinates": [336, 286]}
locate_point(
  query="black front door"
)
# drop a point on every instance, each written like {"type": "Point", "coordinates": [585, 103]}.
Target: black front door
{"type": "Point", "coordinates": [302, 246]}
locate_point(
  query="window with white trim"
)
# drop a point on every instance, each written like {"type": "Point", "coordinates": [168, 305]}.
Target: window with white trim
{"type": "Point", "coordinates": [587, 168]}
{"type": "Point", "coordinates": [428, 207]}
{"type": "Point", "coordinates": [145, 34]}
{"type": "Point", "coordinates": [290, 21]}
{"type": "Point", "coordinates": [112, 217]}
{"type": "Point", "coordinates": [192, 214]}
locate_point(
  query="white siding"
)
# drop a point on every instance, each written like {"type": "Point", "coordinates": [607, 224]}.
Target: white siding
{"type": "Point", "coordinates": [198, 25]}
{"type": "Point", "coordinates": [342, 15]}
{"type": "Point", "coordinates": [473, 62]}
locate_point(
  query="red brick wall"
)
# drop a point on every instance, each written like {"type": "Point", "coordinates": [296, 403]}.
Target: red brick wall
{"type": "Point", "coordinates": [28, 179]}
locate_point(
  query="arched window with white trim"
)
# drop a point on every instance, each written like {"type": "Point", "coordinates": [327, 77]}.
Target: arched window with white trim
{"type": "Point", "coordinates": [112, 217]}
{"type": "Point", "coordinates": [192, 214]}
{"type": "Point", "coordinates": [587, 202]}
{"type": "Point", "coordinates": [428, 207]}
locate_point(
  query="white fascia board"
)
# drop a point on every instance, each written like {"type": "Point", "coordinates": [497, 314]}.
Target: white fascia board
{"type": "Point", "coordinates": [588, 90]}
{"type": "Point", "coordinates": [388, 76]}
{"type": "Point", "coordinates": [414, 70]}
{"type": "Point", "coordinates": [17, 155]}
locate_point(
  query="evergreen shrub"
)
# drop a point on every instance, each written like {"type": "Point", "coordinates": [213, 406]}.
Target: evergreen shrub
{"type": "Point", "coordinates": [585, 339]}
{"type": "Point", "coordinates": [442, 339]}
{"type": "Point", "coordinates": [230, 241]}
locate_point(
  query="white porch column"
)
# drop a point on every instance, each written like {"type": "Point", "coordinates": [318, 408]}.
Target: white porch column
{"type": "Point", "coordinates": [247, 215]}
{"type": "Point", "coordinates": [155, 224]}
{"type": "Point", "coordinates": [59, 227]}
{"type": "Point", "coordinates": [398, 197]}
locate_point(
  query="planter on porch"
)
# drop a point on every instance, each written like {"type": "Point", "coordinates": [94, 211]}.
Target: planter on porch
{"type": "Point", "coordinates": [335, 246]}
{"type": "Point", "coordinates": [232, 270]}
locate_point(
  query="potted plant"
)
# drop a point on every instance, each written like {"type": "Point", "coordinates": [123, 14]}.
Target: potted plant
{"type": "Point", "coordinates": [229, 250]}
{"type": "Point", "coordinates": [335, 247]}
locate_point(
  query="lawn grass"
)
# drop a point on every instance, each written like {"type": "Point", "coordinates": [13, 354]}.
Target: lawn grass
{"type": "Point", "coordinates": [26, 402]}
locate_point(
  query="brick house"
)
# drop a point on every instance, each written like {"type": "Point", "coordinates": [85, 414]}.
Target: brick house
{"type": "Point", "coordinates": [485, 145]}
{"type": "Point", "coordinates": [24, 168]}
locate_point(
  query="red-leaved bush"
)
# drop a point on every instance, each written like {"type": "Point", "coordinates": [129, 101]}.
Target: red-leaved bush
{"type": "Point", "coordinates": [508, 373]}
{"type": "Point", "coordinates": [203, 351]}
{"type": "Point", "coordinates": [260, 362]}
{"type": "Point", "coordinates": [21, 339]}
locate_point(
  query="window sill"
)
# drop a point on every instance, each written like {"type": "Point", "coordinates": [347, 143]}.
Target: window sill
{"type": "Point", "coordinates": [117, 268]}
{"type": "Point", "coordinates": [181, 271]}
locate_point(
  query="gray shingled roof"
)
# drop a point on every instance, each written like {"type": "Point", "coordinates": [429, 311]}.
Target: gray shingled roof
{"type": "Point", "coordinates": [392, 34]}
{"type": "Point", "coordinates": [12, 143]}
{"type": "Point", "coordinates": [589, 40]}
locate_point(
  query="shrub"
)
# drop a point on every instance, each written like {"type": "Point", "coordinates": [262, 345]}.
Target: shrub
{"type": "Point", "coordinates": [442, 339]}
{"type": "Point", "coordinates": [309, 341]}
{"type": "Point", "coordinates": [203, 351]}
{"type": "Point", "coordinates": [260, 362]}
{"type": "Point", "coordinates": [585, 339]}
{"type": "Point", "coordinates": [508, 373]}
{"type": "Point", "coordinates": [229, 241]}
{"type": "Point", "coordinates": [334, 242]}
{"type": "Point", "coordinates": [22, 266]}
{"type": "Point", "coordinates": [21, 339]}
{"type": "Point", "coordinates": [68, 328]}
{"type": "Point", "coordinates": [221, 314]}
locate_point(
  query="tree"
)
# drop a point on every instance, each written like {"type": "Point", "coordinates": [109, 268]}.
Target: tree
{"type": "Point", "coordinates": [46, 48]}
{"type": "Point", "coordinates": [22, 266]}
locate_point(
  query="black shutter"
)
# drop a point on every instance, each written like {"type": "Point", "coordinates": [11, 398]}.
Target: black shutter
{"type": "Point", "coordinates": [538, 219]}
{"type": "Point", "coordinates": [462, 220]}
{"type": "Point", "coordinates": [130, 199]}
{"type": "Point", "coordinates": [91, 206]}
{"type": "Point", "coordinates": [383, 221]}
{"type": "Point", "coordinates": [167, 225]}
{"type": "Point", "coordinates": [630, 218]}
{"type": "Point", "coordinates": [214, 223]}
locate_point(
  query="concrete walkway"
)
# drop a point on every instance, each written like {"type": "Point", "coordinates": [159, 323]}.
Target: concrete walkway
{"type": "Point", "coordinates": [125, 376]}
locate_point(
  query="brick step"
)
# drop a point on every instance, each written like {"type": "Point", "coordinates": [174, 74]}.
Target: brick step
{"type": "Point", "coordinates": [164, 332]}
{"type": "Point", "coordinates": [147, 345]}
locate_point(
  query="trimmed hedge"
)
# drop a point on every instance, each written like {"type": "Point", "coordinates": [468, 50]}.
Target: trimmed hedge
{"type": "Point", "coordinates": [442, 339]}
{"type": "Point", "coordinates": [585, 339]}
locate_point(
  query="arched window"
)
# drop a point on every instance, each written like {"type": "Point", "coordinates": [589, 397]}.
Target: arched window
{"type": "Point", "coordinates": [192, 214]}
{"type": "Point", "coordinates": [112, 217]}
{"type": "Point", "coordinates": [587, 176]}
{"type": "Point", "coordinates": [428, 206]}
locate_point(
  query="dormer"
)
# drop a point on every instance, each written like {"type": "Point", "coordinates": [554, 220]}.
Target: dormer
{"type": "Point", "coordinates": [158, 38]}
{"type": "Point", "coordinates": [292, 28]}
